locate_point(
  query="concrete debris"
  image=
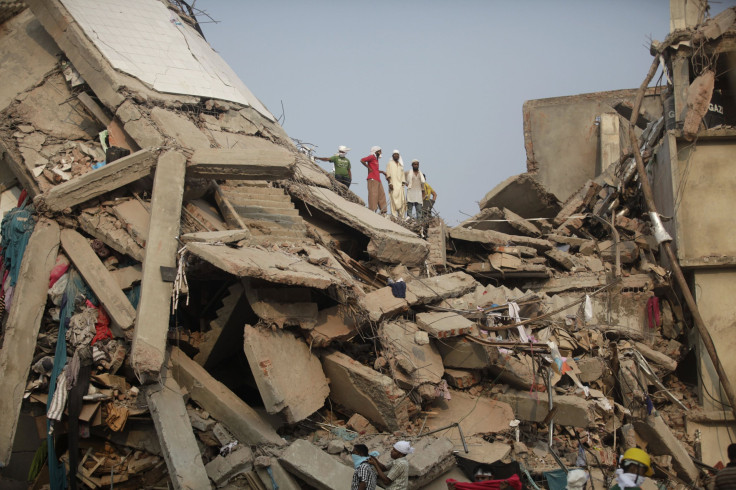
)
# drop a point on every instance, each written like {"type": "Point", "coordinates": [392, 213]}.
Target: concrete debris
{"type": "Point", "coordinates": [219, 311]}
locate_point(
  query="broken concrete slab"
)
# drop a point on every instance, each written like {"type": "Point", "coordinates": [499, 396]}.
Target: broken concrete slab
{"type": "Point", "coordinates": [97, 182]}
{"type": "Point", "coordinates": [152, 322]}
{"type": "Point", "coordinates": [382, 304]}
{"type": "Point", "coordinates": [273, 266]}
{"type": "Point", "coordinates": [136, 218]}
{"type": "Point", "coordinates": [431, 458]}
{"type": "Point", "coordinates": [370, 393]}
{"type": "Point", "coordinates": [179, 446]}
{"type": "Point", "coordinates": [206, 215]}
{"type": "Point", "coordinates": [180, 128]}
{"type": "Point", "coordinates": [520, 224]}
{"type": "Point", "coordinates": [334, 323]}
{"type": "Point", "coordinates": [564, 259]}
{"type": "Point", "coordinates": [477, 415]}
{"type": "Point", "coordinates": [495, 238]}
{"type": "Point", "coordinates": [266, 161]}
{"type": "Point", "coordinates": [221, 403]}
{"type": "Point", "coordinates": [22, 327]}
{"type": "Point", "coordinates": [314, 466]}
{"type": "Point", "coordinates": [283, 306]}
{"type": "Point", "coordinates": [225, 236]}
{"type": "Point", "coordinates": [389, 242]}
{"type": "Point", "coordinates": [99, 279]}
{"type": "Point", "coordinates": [661, 441]}
{"type": "Point", "coordinates": [102, 225]}
{"type": "Point", "coordinates": [126, 277]}
{"type": "Point", "coordinates": [433, 289]}
{"type": "Point", "coordinates": [523, 195]}
{"type": "Point", "coordinates": [278, 474]}
{"type": "Point", "coordinates": [659, 359]}
{"type": "Point", "coordinates": [289, 377]}
{"type": "Point", "coordinates": [463, 354]}
{"type": "Point", "coordinates": [221, 469]}
{"type": "Point", "coordinates": [571, 410]}
{"type": "Point", "coordinates": [444, 324]}
{"type": "Point", "coordinates": [412, 365]}
{"type": "Point", "coordinates": [484, 452]}
{"type": "Point", "coordinates": [458, 378]}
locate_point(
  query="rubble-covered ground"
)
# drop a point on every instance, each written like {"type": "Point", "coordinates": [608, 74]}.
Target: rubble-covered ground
{"type": "Point", "coordinates": [221, 312]}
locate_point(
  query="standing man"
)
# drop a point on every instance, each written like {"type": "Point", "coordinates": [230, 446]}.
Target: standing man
{"type": "Point", "coordinates": [364, 476]}
{"type": "Point", "coordinates": [414, 190]}
{"type": "Point", "coordinates": [726, 478]}
{"type": "Point", "coordinates": [430, 196]}
{"type": "Point", "coordinates": [397, 477]}
{"type": "Point", "coordinates": [340, 165]}
{"type": "Point", "coordinates": [396, 183]}
{"type": "Point", "coordinates": [376, 196]}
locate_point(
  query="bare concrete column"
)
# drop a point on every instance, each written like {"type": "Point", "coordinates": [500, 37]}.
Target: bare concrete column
{"type": "Point", "coordinates": [174, 429]}
{"type": "Point", "coordinates": [21, 331]}
{"type": "Point", "coordinates": [152, 320]}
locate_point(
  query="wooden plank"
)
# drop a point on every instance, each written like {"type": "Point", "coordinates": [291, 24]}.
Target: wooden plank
{"type": "Point", "coordinates": [266, 162]}
{"type": "Point", "coordinates": [152, 322]}
{"type": "Point", "coordinates": [102, 282]}
{"type": "Point", "coordinates": [97, 182]}
{"type": "Point", "coordinates": [23, 324]}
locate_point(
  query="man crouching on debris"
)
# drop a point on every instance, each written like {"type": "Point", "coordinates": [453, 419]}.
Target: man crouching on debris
{"type": "Point", "coordinates": [635, 467]}
{"type": "Point", "coordinates": [364, 476]}
{"type": "Point", "coordinates": [397, 477]}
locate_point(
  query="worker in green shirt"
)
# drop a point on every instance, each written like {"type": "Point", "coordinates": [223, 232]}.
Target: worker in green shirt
{"type": "Point", "coordinates": [341, 165]}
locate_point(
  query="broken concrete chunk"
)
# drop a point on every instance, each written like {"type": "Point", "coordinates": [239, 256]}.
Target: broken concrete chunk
{"type": "Point", "coordinates": [564, 259]}
{"type": "Point", "coordinates": [462, 354]}
{"type": "Point", "coordinates": [368, 392]}
{"type": "Point", "coordinates": [397, 339]}
{"type": "Point", "coordinates": [360, 424]}
{"type": "Point", "coordinates": [283, 306]}
{"type": "Point", "coordinates": [430, 460]}
{"type": "Point", "coordinates": [661, 440]}
{"type": "Point", "coordinates": [443, 324]}
{"type": "Point", "coordinates": [523, 195]}
{"type": "Point", "coordinates": [266, 161]}
{"type": "Point", "coordinates": [289, 377]}
{"type": "Point", "coordinates": [571, 410]}
{"type": "Point", "coordinates": [458, 378]}
{"type": "Point", "coordinates": [221, 469]}
{"type": "Point", "coordinates": [180, 128]}
{"type": "Point", "coordinates": [382, 304]}
{"type": "Point", "coordinates": [433, 289]}
{"type": "Point", "coordinates": [317, 468]}
{"type": "Point", "coordinates": [136, 218]}
{"type": "Point", "coordinates": [199, 422]}
{"type": "Point", "coordinates": [477, 415]}
{"type": "Point", "coordinates": [520, 224]}
{"type": "Point", "coordinates": [333, 324]}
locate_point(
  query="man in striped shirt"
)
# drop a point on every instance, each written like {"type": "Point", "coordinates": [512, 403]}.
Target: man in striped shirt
{"type": "Point", "coordinates": [726, 478]}
{"type": "Point", "coordinates": [364, 476]}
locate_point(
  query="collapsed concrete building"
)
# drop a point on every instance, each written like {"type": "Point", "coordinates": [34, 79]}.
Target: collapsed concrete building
{"type": "Point", "coordinates": [221, 312]}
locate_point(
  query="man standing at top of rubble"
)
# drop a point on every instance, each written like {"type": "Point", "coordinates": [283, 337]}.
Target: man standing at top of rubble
{"type": "Point", "coordinates": [414, 190]}
{"type": "Point", "coordinates": [396, 182]}
{"type": "Point", "coordinates": [376, 196]}
{"type": "Point", "coordinates": [397, 477]}
{"type": "Point", "coordinates": [341, 165]}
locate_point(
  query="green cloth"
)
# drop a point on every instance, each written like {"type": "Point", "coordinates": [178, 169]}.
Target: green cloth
{"type": "Point", "coordinates": [342, 165]}
{"type": "Point", "coordinates": [38, 460]}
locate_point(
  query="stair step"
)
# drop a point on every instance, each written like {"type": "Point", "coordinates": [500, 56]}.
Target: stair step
{"type": "Point", "coordinates": [240, 200]}
{"type": "Point", "coordinates": [253, 191]}
{"type": "Point", "coordinates": [247, 211]}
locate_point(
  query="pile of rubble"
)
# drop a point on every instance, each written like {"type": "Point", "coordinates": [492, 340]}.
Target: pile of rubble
{"type": "Point", "coordinates": [222, 312]}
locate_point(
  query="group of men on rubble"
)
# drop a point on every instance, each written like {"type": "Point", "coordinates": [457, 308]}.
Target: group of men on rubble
{"type": "Point", "coordinates": [419, 195]}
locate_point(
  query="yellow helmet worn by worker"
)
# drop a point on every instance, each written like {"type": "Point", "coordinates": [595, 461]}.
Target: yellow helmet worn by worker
{"type": "Point", "coordinates": [637, 455]}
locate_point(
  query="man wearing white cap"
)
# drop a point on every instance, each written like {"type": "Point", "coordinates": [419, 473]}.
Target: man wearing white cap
{"type": "Point", "coordinates": [340, 165]}
{"type": "Point", "coordinates": [396, 182]}
{"type": "Point", "coordinates": [397, 477]}
{"type": "Point", "coordinates": [414, 190]}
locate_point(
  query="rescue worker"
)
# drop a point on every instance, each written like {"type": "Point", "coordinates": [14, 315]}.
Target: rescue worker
{"type": "Point", "coordinates": [414, 190]}
{"type": "Point", "coordinates": [376, 196]}
{"type": "Point", "coordinates": [397, 477]}
{"type": "Point", "coordinates": [396, 182]}
{"type": "Point", "coordinates": [635, 466]}
{"type": "Point", "coordinates": [340, 165]}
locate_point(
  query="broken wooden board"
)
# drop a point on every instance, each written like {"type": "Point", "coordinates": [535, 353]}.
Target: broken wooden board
{"type": "Point", "coordinates": [103, 284]}
{"type": "Point", "coordinates": [97, 182]}
{"type": "Point", "coordinates": [278, 267]}
{"type": "Point", "coordinates": [23, 324]}
{"type": "Point", "coordinates": [266, 161]}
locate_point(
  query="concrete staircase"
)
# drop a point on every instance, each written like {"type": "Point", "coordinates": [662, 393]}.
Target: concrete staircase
{"type": "Point", "coordinates": [225, 329]}
{"type": "Point", "coordinates": [267, 211]}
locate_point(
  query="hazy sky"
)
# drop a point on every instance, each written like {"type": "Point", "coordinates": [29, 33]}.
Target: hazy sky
{"type": "Point", "coordinates": [442, 81]}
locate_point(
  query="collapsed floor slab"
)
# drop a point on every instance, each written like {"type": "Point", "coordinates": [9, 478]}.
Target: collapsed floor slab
{"type": "Point", "coordinates": [289, 377]}
{"type": "Point", "coordinates": [315, 466]}
{"type": "Point", "coordinates": [523, 195]}
{"type": "Point", "coordinates": [365, 391]}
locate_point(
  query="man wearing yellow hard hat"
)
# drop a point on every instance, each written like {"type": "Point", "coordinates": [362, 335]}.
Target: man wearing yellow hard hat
{"type": "Point", "coordinates": [635, 467]}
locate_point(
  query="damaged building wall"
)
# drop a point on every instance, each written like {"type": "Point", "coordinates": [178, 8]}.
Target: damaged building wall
{"type": "Point", "coordinates": [551, 124]}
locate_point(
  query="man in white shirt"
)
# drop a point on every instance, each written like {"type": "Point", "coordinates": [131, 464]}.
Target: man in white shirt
{"type": "Point", "coordinates": [414, 185]}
